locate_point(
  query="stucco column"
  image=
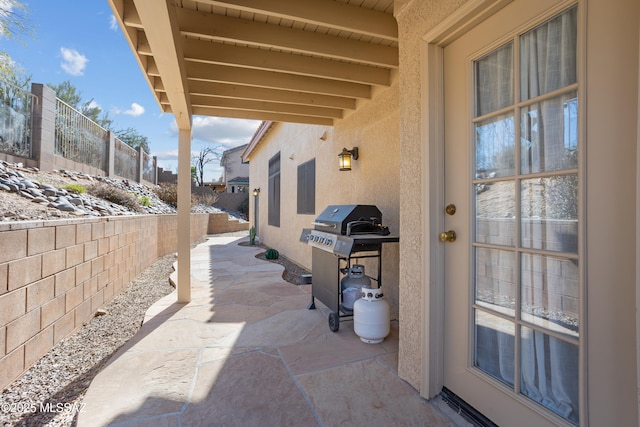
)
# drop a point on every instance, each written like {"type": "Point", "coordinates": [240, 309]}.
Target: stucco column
{"type": "Point", "coordinates": [184, 216]}
{"type": "Point", "coordinates": [43, 126]}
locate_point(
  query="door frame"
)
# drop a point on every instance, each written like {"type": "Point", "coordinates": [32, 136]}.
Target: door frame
{"type": "Point", "coordinates": [432, 153]}
{"type": "Point", "coordinates": [473, 13]}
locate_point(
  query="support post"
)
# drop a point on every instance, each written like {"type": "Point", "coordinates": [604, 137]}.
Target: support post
{"type": "Point", "coordinates": [184, 216]}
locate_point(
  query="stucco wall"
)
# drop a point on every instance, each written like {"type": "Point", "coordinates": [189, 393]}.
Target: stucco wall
{"type": "Point", "coordinates": [415, 19]}
{"type": "Point", "coordinates": [54, 275]}
{"type": "Point", "coordinates": [374, 179]}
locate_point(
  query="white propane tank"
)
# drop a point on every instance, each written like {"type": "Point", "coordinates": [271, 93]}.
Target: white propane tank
{"type": "Point", "coordinates": [371, 316]}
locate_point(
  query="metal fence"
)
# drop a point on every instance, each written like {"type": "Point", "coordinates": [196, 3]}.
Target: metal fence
{"type": "Point", "coordinates": [125, 161]}
{"type": "Point", "coordinates": [15, 120]}
{"type": "Point", "coordinates": [78, 138]}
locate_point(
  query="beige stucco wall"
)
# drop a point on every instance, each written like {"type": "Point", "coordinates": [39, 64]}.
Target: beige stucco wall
{"type": "Point", "coordinates": [415, 19]}
{"type": "Point", "coordinates": [374, 179]}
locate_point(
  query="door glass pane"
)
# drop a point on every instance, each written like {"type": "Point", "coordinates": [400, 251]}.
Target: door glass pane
{"type": "Point", "coordinates": [495, 147]}
{"type": "Point", "coordinates": [549, 372]}
{"type": "Point", "coordinates": [549, 135]}
{"type": "Point", "coordinates": [496, 280]}
{"type": "Point", "coordinates": [548, 58]}
{"type": "Point", "coordinates": [495, 350]}
{"type": "Point", "coordinates": [525, 226]}
{"type": "Point", "coordinates": [550, 292]}
{"type": "Point", "coordinates": [550, 213]}
{"type": "Point", "coordinates": [495, 213]}
{"type": "Point", "coordinates": [494, 80]}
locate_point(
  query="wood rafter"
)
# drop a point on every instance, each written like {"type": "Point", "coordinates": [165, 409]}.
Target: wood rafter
{"type": "Point", "coordinates": [303, 61]}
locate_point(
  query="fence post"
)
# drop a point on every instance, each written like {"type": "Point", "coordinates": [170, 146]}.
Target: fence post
{"type": "Point", "coordinates": [140, 164]}
{"type": "Point", "coordinates": [155, 170]}
{"type": "Point", "coordinates": [111, 154]}
{"type": "Point", "coordinates": [43, 122]}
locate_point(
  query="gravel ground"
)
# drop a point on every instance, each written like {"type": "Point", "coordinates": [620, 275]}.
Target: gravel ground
{"type": "Point", "coordinates": [50, 393]}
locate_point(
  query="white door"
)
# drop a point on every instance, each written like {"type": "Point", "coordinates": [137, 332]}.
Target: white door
{"type": "Point", "coordinates": [512, 282]}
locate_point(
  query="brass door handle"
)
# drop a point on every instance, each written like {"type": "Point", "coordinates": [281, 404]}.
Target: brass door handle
{"type": "Point", "coordinates": [448, 236]}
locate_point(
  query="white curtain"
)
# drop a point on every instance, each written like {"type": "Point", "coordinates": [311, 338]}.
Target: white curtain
{"type": "Point", "coordinates": [548, 366]}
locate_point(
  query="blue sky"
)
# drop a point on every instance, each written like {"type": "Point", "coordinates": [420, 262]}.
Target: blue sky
{"type": "Point", "coordinates": [80, 41]}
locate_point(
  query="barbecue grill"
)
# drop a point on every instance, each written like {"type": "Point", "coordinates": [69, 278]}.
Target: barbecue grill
{"type": "Point", "coordinates": [343, 233]}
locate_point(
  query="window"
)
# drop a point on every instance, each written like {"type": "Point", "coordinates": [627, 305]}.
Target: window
{"type": "Point", "coordinates": [274, 191]}
{"type": "Point", "coordinates": [527, 283]}
{"type": "Point", "coordinates": [307, 187]}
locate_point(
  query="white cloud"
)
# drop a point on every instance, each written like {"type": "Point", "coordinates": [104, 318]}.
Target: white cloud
{"type": "Point", "coordinates": [73, 62]}
{"type": "Point", "coordinates": [167, 156]}
{"type": "Point", "coordinates": [220, 130]}
{"type": "Point", "coordinates": [94, 104]}
{"type": "Point", "coordinates": [135, 110]}
{"type": "Point", "coordinates": [113, 23]}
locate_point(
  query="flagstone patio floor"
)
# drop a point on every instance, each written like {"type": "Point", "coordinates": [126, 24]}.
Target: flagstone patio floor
{"type": "Point", "coordinates": [246, 351]}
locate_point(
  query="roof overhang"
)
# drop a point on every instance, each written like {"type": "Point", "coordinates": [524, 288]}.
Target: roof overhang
{"type": "Point", "coordinates": [300, 61]}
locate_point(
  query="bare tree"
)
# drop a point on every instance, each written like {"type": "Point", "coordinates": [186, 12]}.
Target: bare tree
{"type": "Point", "coordinates": [206, 156]}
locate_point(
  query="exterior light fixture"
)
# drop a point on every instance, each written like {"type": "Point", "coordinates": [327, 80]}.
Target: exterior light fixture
{"type": "Point", "coordinates": [345, 158]}
{"type": "Point", "coordinates": [256, 191]}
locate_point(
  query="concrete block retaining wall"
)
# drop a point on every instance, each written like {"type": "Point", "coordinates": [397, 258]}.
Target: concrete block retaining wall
{"type": "Point", "coordinates": [54, 275]}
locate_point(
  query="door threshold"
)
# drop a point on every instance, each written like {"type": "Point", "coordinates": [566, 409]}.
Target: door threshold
{"type": "Point", "coordinates": [465, 410]}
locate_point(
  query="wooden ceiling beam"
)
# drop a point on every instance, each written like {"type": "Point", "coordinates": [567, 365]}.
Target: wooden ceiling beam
{"type": "Point", "coordinates": [161, 30]}
{"type": "Point", "coordinates": [198, 87]}
{"type": "Point", "coordinates": [270, 79]}
{"type": "Point", "coordinates": [262, 59]}
{"type": "Point", "coordinates": [272, 107]}
{"type": "Point", "coordinates": [327, 13]}
{"type": "Point", "coordinates": [261, 115]}
{"type": "Point", "coordinates": [225, 28]}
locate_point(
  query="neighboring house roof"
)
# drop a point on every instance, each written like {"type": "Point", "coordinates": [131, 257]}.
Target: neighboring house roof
{"type": "Point", "coordinates": [227, 153]}
{"type": "Point", "coordinates": [262, 130]}
{"type": "Point", "coordinates": [239, 180]}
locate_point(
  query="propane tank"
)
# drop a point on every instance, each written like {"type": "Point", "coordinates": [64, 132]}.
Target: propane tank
{"type": "Point", "coordinates": [351, 285]}
{"type": "Point", "coordinates": [371, 316]}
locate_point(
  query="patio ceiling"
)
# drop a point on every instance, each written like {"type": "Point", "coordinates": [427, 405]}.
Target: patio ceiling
{"type": "Point", "coordinates": [301, 61]}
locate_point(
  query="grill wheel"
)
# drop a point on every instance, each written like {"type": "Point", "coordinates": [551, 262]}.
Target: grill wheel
{"type": "Point", "coordinates": [334, 321]}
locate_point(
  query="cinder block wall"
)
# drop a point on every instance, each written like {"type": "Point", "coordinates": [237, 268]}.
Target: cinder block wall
{"type": "Point", "coordinates": [54, 275]}
{"type": "Point", "coordinates": [221, 223]}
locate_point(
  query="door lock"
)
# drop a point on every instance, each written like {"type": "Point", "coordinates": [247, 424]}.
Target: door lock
{"type": "Point", "coordinates": [450, 209]}
{"type": "Point", "coordinates": [448, 236]}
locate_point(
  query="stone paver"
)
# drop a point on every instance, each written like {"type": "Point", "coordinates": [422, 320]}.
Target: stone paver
{"type": "Point", "coordinates": [247, 352]}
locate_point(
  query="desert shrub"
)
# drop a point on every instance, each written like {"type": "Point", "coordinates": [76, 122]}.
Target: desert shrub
{"type": "Point", "coordinates": [75, 188]}
{"type": "Point", "coordinates": [244, 207]}
{"type": "Point", "coordinates": [115, 195]}
{"type": "Point", "coordinates": [145, 201]}
{"type": "Point", "coordinates": [168, 193]}
{"type": "Point", "coordinates": [204, 199]}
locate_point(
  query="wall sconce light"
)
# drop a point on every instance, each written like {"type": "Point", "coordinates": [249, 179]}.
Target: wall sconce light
{"type": "Point", "coordinates": [345, 158]}
{"type": "Point", "coordinates": [256, 191]}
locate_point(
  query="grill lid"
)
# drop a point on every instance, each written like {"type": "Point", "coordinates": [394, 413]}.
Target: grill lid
{"type": "Point", "coordinates": [334, 218]}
